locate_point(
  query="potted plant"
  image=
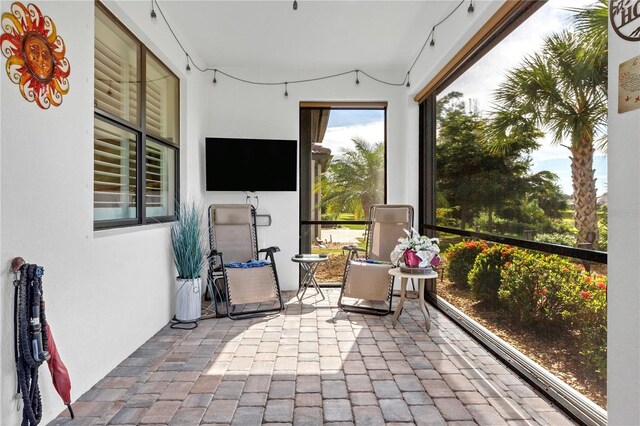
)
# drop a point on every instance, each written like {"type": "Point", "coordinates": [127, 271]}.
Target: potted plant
{"type": "Point", "coordinates": [187, 242]}
{"type": "Point", "coordinates": [416, 251]}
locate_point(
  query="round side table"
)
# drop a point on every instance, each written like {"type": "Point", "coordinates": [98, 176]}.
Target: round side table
{"type": "Point", "coordinates": [404, 276]}
{"type": "Point", "coordinates": [309, 263]}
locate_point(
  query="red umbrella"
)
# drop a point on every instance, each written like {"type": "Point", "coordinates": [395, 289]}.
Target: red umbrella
{"type": "Point", "coordinates": [59, 373]}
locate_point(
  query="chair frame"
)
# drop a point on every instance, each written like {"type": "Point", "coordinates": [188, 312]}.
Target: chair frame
{"type": "Point", "coordinates": [220, 272]}
{"type": "Point", "coordinates": [354, 252]}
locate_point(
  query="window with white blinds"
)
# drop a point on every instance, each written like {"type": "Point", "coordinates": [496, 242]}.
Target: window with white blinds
{"type": "Point", "coordinates": [161, 101]}
{"type": "Point", "coordinates": [136, 143]}
{"type": "Point", "coordinates": [159, 173]}
{"type": "Point", "coordinates": [114, 172]}
{"type": "Point", "coordinates": [117, 71]}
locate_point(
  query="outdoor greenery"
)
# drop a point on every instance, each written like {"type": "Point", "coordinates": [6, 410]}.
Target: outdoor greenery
{"type": "Point", "coordinates": [460, 258]}
{"type": "Point", "coordinates": [354, 181]}
{"type": "Point", "coordinates": [538, 290]}
{"type": "Point", "coordinates": [493, 191]}
{"type": "Point", "coordinates": [484, 277]}
{"type": "Point", "coordinates": [556, 238]}
{"type": "Point", "coordinates": [484, 178]}
{"type": "Point", "coordinates": [562, 89]}
{"type": "Point", "coordinates": [533, 287]}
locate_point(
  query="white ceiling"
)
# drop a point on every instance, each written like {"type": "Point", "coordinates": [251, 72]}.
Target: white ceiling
{"type": "Point", "coordinates": [320, 34]}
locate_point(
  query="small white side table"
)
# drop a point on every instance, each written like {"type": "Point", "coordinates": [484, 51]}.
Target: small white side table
{"type": "Point", "coordinates": [404, 276]}
{"type": "Point", "coordinates": [309, 263]}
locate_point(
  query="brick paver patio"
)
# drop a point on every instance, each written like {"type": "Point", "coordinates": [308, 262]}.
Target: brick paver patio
{"type": "Point", "coordinates": [313, 365]}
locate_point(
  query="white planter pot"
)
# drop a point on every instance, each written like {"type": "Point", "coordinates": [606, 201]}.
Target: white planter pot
{"type": "Point", "coordinates": [188, 299]}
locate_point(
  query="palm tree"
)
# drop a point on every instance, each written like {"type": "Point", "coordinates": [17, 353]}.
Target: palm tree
{"type": "Point", "coordinates": [563, 89]}
{"type": "Point", "coordinates": [354, 181]}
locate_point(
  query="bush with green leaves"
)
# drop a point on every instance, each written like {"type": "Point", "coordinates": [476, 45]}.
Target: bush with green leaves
{"type": "Point", "coordinates": [484, 277]}
{"type": "Point", "coordinates": [533, 287]}
{"type": "Point", "coordinates": [460, 258]}
{"type": "Point", "coordinates": [603, 228]}
{"type": "Point", "coordinates": [557, 238]}
{"type": "Point", "coordinates": [585, 310]}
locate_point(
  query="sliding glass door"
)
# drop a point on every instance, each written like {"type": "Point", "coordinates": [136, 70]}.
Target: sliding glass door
{"type": "Point", "coordinates": [342, 173]}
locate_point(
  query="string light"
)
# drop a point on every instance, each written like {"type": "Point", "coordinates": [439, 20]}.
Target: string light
{"type": "Point", "coordinates": [405, 82]}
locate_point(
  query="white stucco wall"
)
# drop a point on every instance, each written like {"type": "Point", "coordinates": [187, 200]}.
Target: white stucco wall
{"type": "Point", "coordinates": [623, 150]}
{"type": "Point", "coordinates": [244, 111]}
{"type": "Point", "coordinates": [107, 292]}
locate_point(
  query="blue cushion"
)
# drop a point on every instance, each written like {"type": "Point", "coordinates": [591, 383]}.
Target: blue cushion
{"type": "Point", "coordinates": [250, 264]}
{"type": "Point", "coordinates": [374, 262]}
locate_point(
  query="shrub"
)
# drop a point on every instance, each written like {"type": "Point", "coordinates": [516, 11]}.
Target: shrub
{"type": "Point", "coordinates": [484, 277]}
{"type": "Point", "coordinates": [585, 309]}
{"type": "Point", "coordinates": [533, 286]}
{"type": "Point", "coordinates": [460, 258]}
{"type": "Point", "coordinates": [557, 238]}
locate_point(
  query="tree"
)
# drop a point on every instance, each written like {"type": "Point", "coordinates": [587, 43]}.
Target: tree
{"type": "Point", "coordinates": [452, 101]}
{"type": "Point", "coordinates": [471, 177]}
{"type": "Point", "coordinates": [562, 89]}
{"type": "Point", "coordinates": [354, 181]}
{"type": "Point", "coordinates": [543, 186]}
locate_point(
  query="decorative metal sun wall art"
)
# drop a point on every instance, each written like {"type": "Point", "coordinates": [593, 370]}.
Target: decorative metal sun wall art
{"type": "Point", "coordinates": [35, 55]}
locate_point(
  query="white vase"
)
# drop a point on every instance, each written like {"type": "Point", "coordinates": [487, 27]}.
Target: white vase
{"type": "Point", "coordinates": [188, 299]}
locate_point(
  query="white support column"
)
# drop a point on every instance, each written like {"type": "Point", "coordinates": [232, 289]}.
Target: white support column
{"type": "Point", "coordinates": [624, 247]}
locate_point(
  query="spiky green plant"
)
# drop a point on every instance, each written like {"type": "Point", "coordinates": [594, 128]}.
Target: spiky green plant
{"type": "Point", "coordinates": [187, 241]}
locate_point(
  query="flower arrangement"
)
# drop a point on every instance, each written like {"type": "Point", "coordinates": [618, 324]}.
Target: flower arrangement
{"type": "Point", "coordinates": [416, 251]}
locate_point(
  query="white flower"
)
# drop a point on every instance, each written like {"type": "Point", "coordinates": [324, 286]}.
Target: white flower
{"type": "Point", "coordinates": [426, 248]}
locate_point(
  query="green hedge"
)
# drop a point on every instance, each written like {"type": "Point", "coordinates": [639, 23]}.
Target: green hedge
{"type": "Point", "coordinates": [460, 258]}
{"type": "Point", "coordinates": [484, 278]}
{"type": "Point", "coordinates": [533, 287]}
{"type": "Point", "coordinates": [542, 291]}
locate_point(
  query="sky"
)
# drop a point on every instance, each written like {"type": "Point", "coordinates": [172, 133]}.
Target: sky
{"type": "Point", "coordinates": [478, 83]}
{"type": "Point", "coordinates": [346, 124]}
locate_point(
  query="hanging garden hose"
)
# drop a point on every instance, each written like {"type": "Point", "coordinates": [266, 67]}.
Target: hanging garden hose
{"type": "Point", "coordinates": [30, 342]}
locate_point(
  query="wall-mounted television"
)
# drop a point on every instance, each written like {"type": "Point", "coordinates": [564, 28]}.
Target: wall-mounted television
{"type": "Point", "coordinates": [251, 164]}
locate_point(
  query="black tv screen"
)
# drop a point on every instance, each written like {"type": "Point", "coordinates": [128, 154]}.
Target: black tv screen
{"type": "Point", "coordinates": [251, 164]}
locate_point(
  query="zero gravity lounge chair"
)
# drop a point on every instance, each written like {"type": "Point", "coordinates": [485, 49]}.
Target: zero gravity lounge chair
{"type": "Point", "coordinates": [366, 279]}
{"type": "Point", "coordinates": [251, 286]}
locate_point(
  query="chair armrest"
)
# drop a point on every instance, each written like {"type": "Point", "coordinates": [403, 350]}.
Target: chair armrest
{"type": "Point", "coordinates": [353, 251]}
{"type": "Point", "coordinates": [214, 253]}
{"type": "Point", "coordinates": [269, 252]}
{"type": "Point", "coordinates": [272, 249]}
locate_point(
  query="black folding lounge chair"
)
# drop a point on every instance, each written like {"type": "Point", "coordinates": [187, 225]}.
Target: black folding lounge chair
{"type": "Point", "coordinates": [248, 284]}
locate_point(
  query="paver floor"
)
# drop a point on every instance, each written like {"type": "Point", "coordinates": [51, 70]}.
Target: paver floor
{"type": "Point", "coordinates": [311, 365]}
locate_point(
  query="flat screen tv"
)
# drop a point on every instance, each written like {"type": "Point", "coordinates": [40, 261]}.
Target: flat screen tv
{"type": "Point", "coordinates": [251, 164]}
